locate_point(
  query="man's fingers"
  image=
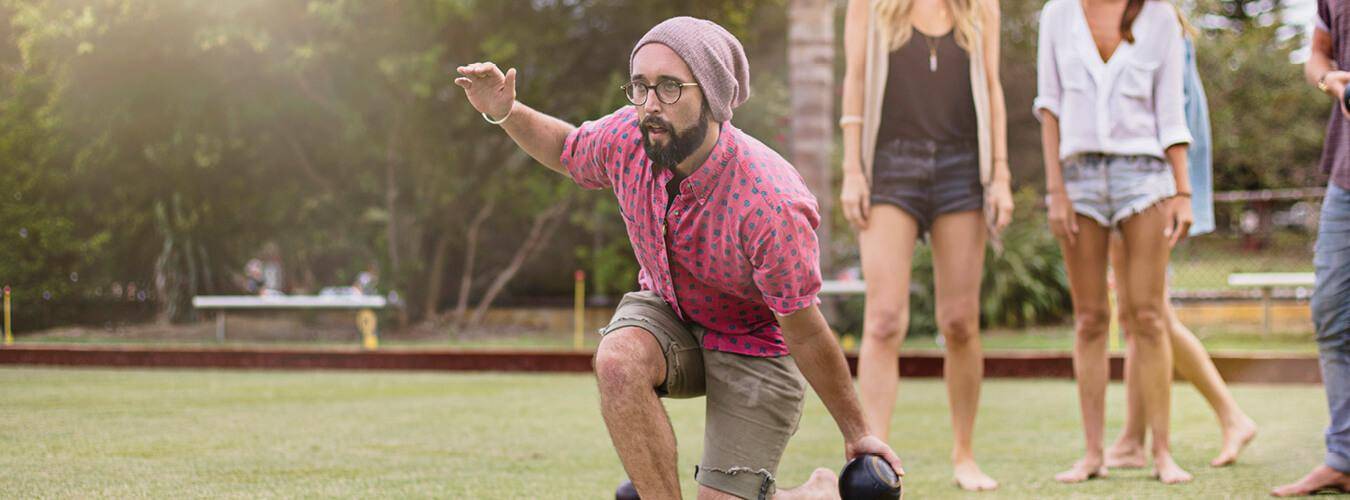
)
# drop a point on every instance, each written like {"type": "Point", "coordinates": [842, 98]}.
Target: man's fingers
{"type": "Point", "coordinates": [464, 82]}
{"type": "Point", "coordinates": [511, 78]}
{"type": "Point", "coordinates": [894, 460]}
{"type": "Point", "coordinates": [478, 70]}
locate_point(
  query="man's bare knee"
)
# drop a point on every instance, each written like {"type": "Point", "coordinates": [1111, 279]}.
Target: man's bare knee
{"type": "Point", "coordinates": [629, 357]}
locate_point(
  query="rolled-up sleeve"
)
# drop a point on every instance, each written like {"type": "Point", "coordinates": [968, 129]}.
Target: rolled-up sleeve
{"type": "Point", "coordinates": [1169, 97]}
{"type": "Point", "coordinates": [785, 255]}
{"type": "Point", "coordinates": [1048, 89]}
{"type": "Point", "coordinates": [588, 152]}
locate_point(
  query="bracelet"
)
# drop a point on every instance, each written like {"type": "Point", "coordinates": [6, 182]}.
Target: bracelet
{"type": "Point", "coordinates": [847, 120]}
{"type": "Point", "coordinates": [1186, 194]}
{"type": "Point", "coordinates": [503, 120]}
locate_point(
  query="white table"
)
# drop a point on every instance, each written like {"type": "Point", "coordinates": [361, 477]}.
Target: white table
{"type": "Point", "coordinates": [1267, 282]}
{"type": "Point", "coordinates": [365, 304]}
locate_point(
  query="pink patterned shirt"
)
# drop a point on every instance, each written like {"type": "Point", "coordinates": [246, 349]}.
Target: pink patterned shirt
{"type": "Point", "coordinates": [736, 245]}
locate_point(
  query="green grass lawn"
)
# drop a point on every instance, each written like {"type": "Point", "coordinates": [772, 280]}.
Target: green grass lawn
{"type": "Point", "coordinates": [177, 434]}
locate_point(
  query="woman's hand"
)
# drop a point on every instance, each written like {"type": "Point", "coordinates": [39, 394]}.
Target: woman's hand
{"type": "Point", "coordinates": [1179, 219]}
{"type": "Point", "coordinates": [854, 197]}
{"type": "Point", "coordinates": [1063, 222]}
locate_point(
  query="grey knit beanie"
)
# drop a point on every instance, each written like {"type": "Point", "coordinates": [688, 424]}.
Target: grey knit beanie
{"type": "Point", "coordinates": [714, 55]}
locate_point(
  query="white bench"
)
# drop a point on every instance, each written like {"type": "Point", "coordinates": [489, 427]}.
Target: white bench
{"type": "Point", "coordinates": [1268, 282]}
{"type": "Point", "coordinates": [365, 304]}
{"type": "Point", "coordinates": [849, 287]}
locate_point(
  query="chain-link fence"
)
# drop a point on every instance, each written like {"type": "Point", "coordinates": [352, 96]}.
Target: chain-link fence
{"type": "Point", "coordinates": [1269, 231]}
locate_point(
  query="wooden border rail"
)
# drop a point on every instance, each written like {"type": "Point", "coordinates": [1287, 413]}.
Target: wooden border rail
{"type": "Point", "coordinates": [1256, 368]}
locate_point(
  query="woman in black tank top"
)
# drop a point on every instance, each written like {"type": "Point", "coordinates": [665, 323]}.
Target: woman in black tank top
{"type": "Point", "coordinates": [928, 92]}
{"type": "Point", "coordinates": [925, 180]}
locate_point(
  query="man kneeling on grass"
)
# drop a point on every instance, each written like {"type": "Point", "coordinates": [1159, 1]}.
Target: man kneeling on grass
{"type": "Point", "coordinates": [724, 230]}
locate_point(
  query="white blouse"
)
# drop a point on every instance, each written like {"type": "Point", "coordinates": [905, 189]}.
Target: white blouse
{"type": "Point", "coordinates": [1129, 105]}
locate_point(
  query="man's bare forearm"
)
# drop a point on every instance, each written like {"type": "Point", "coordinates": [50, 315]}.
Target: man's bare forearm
{"type": "Point", "coordinates": [540, 135]}
{"type": "Point", "coordinates": [822, 362]}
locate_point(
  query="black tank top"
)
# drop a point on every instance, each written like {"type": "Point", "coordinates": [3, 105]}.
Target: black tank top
{"type": "Point", "coordinates": [927, 101]}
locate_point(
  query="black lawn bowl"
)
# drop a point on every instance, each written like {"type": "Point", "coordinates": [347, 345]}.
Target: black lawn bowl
{"type": "Point", "coordinates": [626, 491]}
{"type": "Point", "coordinates": [869, 477]}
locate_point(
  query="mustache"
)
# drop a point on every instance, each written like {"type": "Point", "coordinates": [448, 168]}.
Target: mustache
{"type": "Point", "coordinates": [652, 121]}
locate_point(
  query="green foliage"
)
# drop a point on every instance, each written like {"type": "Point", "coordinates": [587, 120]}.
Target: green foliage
{"type": "Point", "coordinates": [1026, 285]}
{"type": "Point", "coordinates": [165, 141]}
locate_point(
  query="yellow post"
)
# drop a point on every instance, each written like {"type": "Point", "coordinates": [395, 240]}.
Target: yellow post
{"type": "Point", "coordinates": [1114, 335]}
{"type": "Point", "coordinates": [9, 334]}
{"type": "Point", "coordinates": [366, 322]}
{"type": "Point", "coordinates": [579, 309]}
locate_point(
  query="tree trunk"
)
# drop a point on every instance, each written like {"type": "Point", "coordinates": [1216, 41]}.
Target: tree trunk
{"type": "Point", "coordinates": [436, 276]}
{"type": "Point", "coordinates": [391, 195]}
{"type": "Point", "coordinates": [545, 223]}
{"type": "Point", "coordinates": [470, 255]}
{"type": "Point", "coordinates": [811, 85]}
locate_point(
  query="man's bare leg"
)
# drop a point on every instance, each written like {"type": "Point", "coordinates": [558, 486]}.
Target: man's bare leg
{"type": "Point", "coordinates": [629, 366]}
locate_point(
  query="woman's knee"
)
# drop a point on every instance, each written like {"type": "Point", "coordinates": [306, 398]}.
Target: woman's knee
{"type": "Point", "coordinates": [959, 324]}
{"type": "Point", "coordinates": [1092, 323]}
{"type": "Point", "coordinates": [886, 325]}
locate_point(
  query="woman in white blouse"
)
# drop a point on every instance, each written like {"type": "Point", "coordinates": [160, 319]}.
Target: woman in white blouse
{"type": "Point", "coordinates": [1114, 133]}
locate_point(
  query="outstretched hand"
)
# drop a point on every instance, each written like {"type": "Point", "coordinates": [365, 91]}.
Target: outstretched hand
{"type": "Point", "coordinates": [489, 90]}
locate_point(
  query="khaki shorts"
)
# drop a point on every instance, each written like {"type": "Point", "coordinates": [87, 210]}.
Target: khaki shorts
{"type": "Point", "coordinates": [753, 405]}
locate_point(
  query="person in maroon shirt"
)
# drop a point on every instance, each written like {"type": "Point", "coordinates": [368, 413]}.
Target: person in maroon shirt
{"type": "Point", "coordinates": [1328, 62]}
{"type": "Point", "coordinates": [724, 231]}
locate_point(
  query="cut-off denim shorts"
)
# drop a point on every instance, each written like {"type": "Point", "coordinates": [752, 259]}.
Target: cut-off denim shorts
{"type": "Point", "coordinates": [1111, 188]}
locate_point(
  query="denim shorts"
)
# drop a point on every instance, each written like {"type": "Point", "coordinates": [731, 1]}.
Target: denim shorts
{"type": "Point", "coordinates": [1111, 188]}
{"type": "Point", "coordinates": [927, 178]}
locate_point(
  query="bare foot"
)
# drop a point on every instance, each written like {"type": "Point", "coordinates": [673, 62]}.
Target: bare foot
{"type": "Point", "coordinates": [1235, 438]}
{"type": "Point", "coordinates": [1082, 470]}
{"type": "Point", "coordinates": [1126, 454]}
{"type": "Point", "coordinates": [1322, 478]}
{"type": "Point", "coordinates": [1167, 470]}
{"type": "Point", "coordinates": [823, 485]}
{"type": "Point", "coordinates": [970, 478]}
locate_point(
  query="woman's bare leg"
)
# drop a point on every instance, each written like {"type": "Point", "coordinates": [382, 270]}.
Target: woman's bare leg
{"type": "Point", "coordinates": [1085, 261]}
{"type": "Point", "coordinates": [1146, 255]}
{"type": "Point", "coordinates": [887, 247]}
{"type": "Point", "coordinates": [958, 265]}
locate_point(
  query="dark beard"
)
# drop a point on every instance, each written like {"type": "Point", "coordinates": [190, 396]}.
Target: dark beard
{"type": "Point", "coordinates": [681, 144]}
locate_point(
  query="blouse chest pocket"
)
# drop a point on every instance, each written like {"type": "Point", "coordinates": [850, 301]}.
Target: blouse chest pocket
{"type": "Point", "coordinates": [1136, 79]}
{"type": "Point", "coordinates": [1073, 73]}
